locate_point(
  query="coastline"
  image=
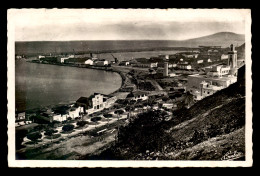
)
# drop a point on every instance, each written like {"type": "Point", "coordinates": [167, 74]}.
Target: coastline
{"type": "Point", "coordinates": [73, 101]}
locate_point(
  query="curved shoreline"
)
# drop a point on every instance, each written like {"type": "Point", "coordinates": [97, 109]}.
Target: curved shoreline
{"type": "Point", "coordinates": [109, 69]}
{"type": "Point", "coordinates": [73, 101]}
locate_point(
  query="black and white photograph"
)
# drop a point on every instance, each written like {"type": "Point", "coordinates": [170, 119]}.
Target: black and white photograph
{"type": "Point", "coordinates": [129, 88]}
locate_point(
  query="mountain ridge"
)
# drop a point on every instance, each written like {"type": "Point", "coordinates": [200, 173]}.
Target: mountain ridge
{"type": "Point", "coordinates": [219, 34]}
{"type": "Point", "coordinates": [223, 39]}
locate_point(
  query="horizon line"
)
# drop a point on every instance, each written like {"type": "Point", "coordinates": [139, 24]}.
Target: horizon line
{"type": "Point", "coordinates": [125, 39]}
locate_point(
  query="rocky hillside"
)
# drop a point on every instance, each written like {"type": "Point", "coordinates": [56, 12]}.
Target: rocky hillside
{"type": "Point", "coordinates": [212, 129]}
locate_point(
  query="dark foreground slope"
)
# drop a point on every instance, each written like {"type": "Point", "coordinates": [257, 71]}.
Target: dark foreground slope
{"type": "Point", "coordinates": [212, 129]}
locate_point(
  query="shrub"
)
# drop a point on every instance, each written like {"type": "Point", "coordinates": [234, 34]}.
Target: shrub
{"type": "Point", "coordinates": [34, 136]}
{"type": "Point", "coordinates": [108, 115]}
{"type": "Point", "coordinates": [81, 123]}
{"type": "Point", "coordinates": [68, 127]}
{"type": "Point", "coordinates": [120, 111]}
{"type": "Point", "coordinates": [50, 132]}
{"type": "Point", "coordinates": [144, 132]}
{"type": "Point", "coordinates": [165, 98]}
{"type": "Point", "coordinates": [95, 119]}
{"type": "Point", "coordinates": [39, 128]}
{"type": "Point", "coordinates": [129, 108]}
{"type": "Point", "coordinates": [56, 136]}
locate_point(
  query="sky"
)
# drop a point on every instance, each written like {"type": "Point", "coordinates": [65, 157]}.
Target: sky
{"type": "Point", "coordinates": [122, 24]}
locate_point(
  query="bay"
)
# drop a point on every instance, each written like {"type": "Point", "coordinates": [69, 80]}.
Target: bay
{"type": "Point", "coordinates": [39, 85]}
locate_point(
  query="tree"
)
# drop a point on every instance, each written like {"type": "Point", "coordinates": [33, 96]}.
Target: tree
{"type": "Point", "coordinates": [81, 124]}
{"type": "Point", "coordinates": [55, 124]}
{"type": "Point", "coordinates": [38, 128]}
{"type": "Point", "coordinates": [34, 136]}
{"type": "Point", "coordinates": [50, 132]}
{"type": "Point", "coordinates": [119, 112]}
{"type": "Point", "coordinates": [95, 119]}
{"type": "Point", "coordinates": [145, 132]}
{"type": "Point", "coordinates": [131, 102]}
{"type": "Point", "coordinates": [165, 98]}
{"type": "Point", "coordinates": [68, 128]}
{"type": "Point", "coordinates": [108, 116]}
{"type": "Point", "coordinates": [127, 108]}
{"type": "Point", "coordinates": [189, 100]}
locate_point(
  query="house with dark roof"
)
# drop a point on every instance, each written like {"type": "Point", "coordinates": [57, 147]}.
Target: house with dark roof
{"type": "Point", "coordinates": [124, 63]}
{"type": "Point", "coordinates": [145, 63]}
{"type": "Point", "coordinates": [85, 102]}
{"type": "Point", "coordinates": [137, 95]}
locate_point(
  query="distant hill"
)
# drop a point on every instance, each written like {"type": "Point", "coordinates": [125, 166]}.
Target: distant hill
{"type": "Point", "coordinates": [223, 39]}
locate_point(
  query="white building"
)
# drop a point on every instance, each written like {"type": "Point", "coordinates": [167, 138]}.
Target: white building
{"type": "Point", "coordinates": [217, 71]}
{"type": "Point", "coordinates": [169, 105]}
{"type": "Point", "coordinates": [95, 102]}
{"type": "Point", "coordinates": [75, 112]}
{"type": "Point", "coordinates": [137, 95]}
{"type": "Point", "coordinates": [89, 62]}
{"type": "Point", "coordinates": [184, 66]}
{"type": "Point", "coordinates": [154, 65]}
{"type": "Point", "coordinates": [18, 57]}
{"type": "Point", "coordinates": [172, 74]}
{"type": "Point", "coordinates": [191, 55]}
{"type": "Point", "coordinates": [216, 78]}
{"type": "Point", "coordinates": [224, 56]}
{"type": "Point", "coordinates": [20, 116]}
{"type": "Point", "coordinates": [172, 65]}
{"type": "Point", "coordinates": [40, 56]}
{"type": "Point", "coordinates": [101, 62]}
{"type": "Point", "coordinates": [109, 101]}
{"type": "Point", "coordinates": [199, 61]}
{"type": "Point", "coordinates": [59, 117]}
{"type": "Point", "coordinates": [124, 63]}
{"type": "Point", "coordinates": [62, 59]}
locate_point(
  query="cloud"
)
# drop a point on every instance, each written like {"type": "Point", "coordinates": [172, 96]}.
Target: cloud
{"type": "Point", "coordinates": [122, 25]}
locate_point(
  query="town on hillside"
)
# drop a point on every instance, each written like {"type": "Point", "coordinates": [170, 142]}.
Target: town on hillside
{"type": "Point", "coordinates": [165, 83]}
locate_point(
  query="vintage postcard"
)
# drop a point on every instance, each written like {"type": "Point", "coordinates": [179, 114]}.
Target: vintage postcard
{"type": "Point", "coordinates": [129, 88]}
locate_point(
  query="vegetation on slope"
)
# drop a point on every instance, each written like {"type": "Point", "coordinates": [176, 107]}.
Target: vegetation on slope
{"type": "Point", "coordinates": [212, 129]}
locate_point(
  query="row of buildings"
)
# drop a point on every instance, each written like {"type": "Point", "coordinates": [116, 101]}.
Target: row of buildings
{"type": "Point", "coordinates": [86, 61]}
{"type": "Point", "coordinates": [74, 59]}
{"type": "Point", "coordinates": [183, 60]}
{"type": "Point", "coordinates": [84, 105]}
{"type": "Point", "coordinates": [215, 78]}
